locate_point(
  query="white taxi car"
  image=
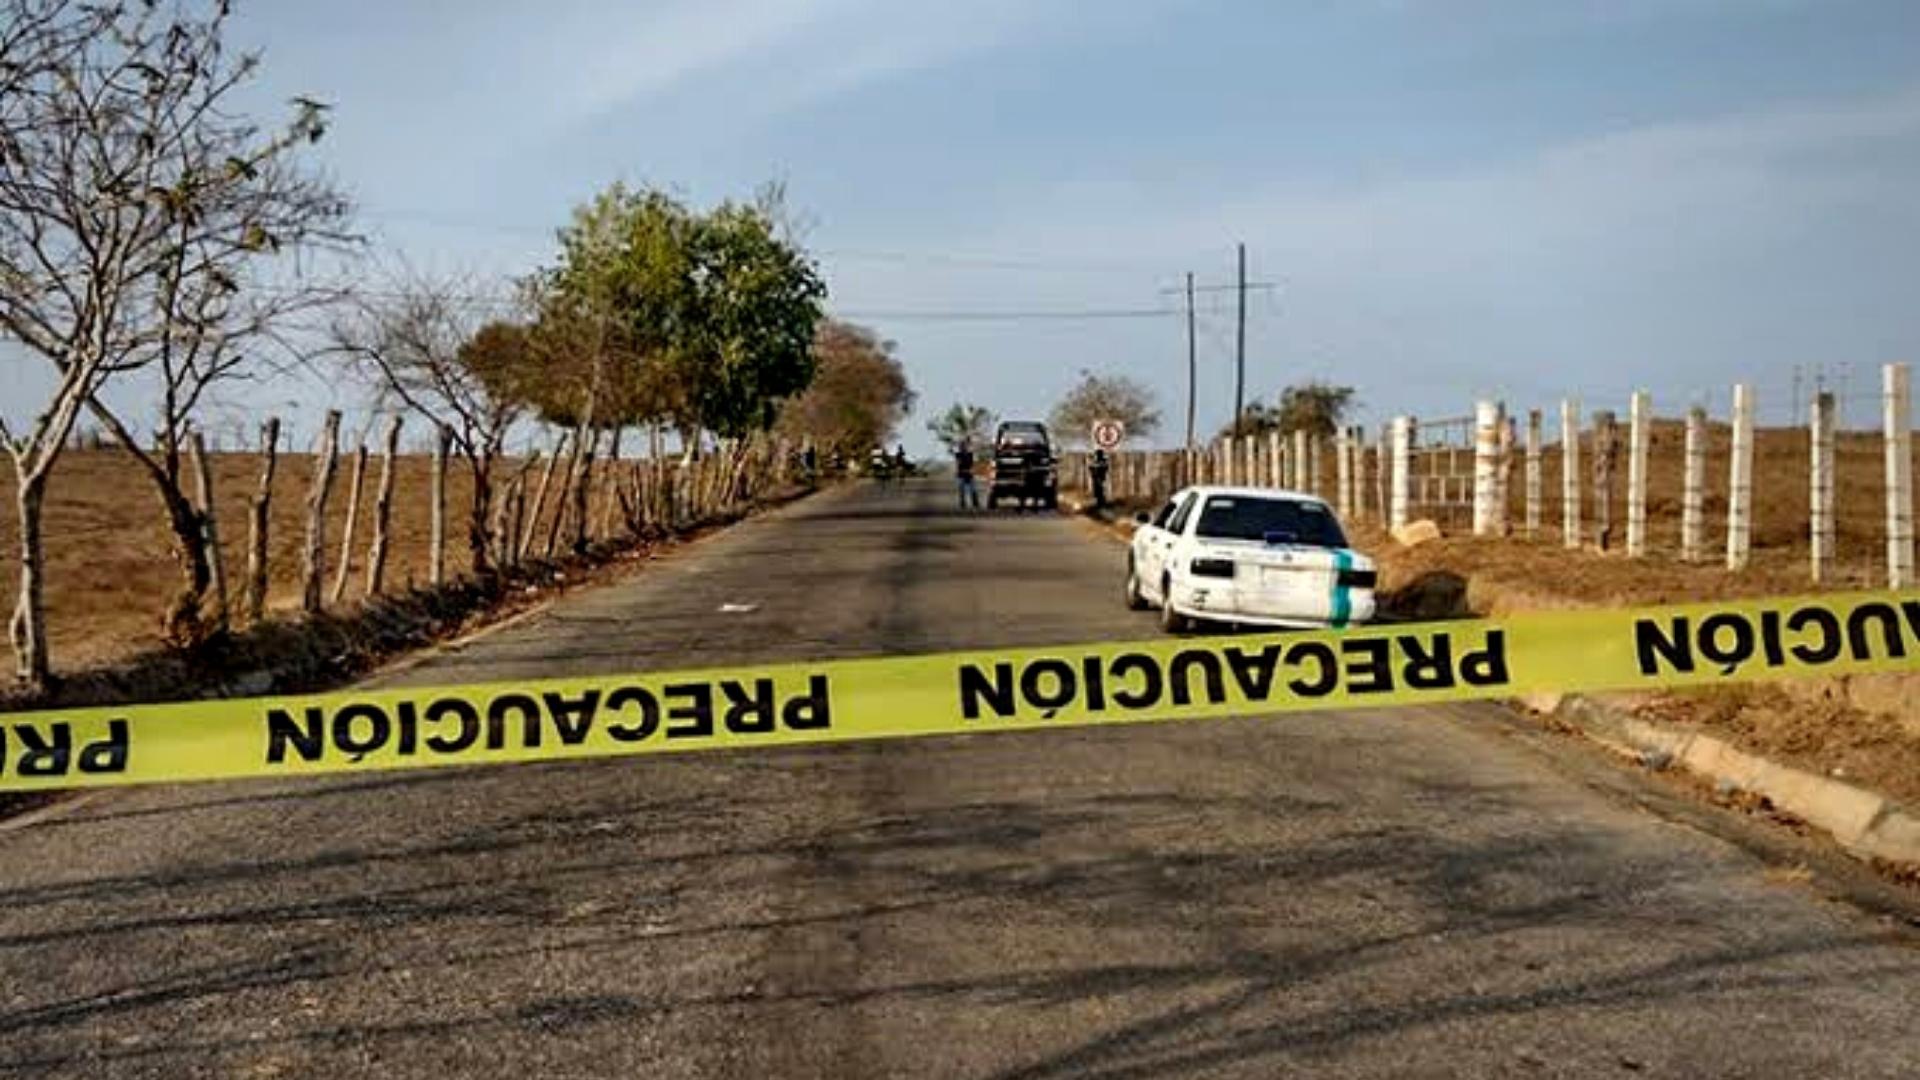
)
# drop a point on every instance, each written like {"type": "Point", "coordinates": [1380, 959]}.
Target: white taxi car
{"type": "Point", "coordinates": [1260, 556]}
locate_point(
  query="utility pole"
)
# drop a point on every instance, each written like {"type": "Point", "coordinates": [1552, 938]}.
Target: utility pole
{"type": "Point", "coordinates": [1193, 366]}
{"type": "Point", "coordinates": [1240, 344]}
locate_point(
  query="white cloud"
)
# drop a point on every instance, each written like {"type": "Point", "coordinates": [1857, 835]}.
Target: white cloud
{"type": "Point", "coordinates": [791, 52]}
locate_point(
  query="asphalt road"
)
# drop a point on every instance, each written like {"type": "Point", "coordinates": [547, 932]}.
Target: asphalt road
{"type": "Point", "coordinates": [1394, 893]}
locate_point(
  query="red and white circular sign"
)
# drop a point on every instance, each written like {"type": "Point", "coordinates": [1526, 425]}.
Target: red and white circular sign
{"type": "Point", "coordinates": [1108, 434]}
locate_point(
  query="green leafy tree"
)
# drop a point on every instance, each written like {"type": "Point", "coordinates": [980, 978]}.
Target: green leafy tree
{"type": "Point", "coordinates": [963, 423]}
{"type": "Point", "coordinates": [617, 313]}
{"type": "Point", "coordinates": [747, 342]}
{"type": "Point", "coordinates": [1104, 397]}
{"type": "Point", "coordinates": [858, 396]}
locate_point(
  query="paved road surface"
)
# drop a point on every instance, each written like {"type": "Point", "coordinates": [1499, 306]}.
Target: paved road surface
{"type": "Point", "coordinates": [1362, 894]}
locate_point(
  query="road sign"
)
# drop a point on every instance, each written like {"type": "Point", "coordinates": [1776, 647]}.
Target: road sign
{"type": "Point", "coordinates": [1108, 434]}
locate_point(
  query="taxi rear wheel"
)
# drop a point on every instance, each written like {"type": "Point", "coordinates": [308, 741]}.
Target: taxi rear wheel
{"type": "Point", "coordinates": [1135, 602]}
{"type": "Point", "coordinates": [1170, 620]}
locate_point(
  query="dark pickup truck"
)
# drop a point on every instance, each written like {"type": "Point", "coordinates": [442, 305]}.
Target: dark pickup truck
{"type": "Point", "coordinates": [1023, 465]}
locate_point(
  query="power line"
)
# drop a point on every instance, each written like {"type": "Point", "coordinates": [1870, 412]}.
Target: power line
{"type": "Point", "coordinates": [1015, 316]}
{"type": "Point", "coordinates": [1232, 286]}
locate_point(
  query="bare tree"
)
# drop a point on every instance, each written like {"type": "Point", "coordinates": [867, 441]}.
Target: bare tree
{"type": "Point", "coordinates": [427, 346]}
{"type": "Point", "coordinates": [132, 204]}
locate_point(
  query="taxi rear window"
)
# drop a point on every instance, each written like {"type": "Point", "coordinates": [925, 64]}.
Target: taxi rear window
{"type": "Point", "coordinates": [1273, 521]}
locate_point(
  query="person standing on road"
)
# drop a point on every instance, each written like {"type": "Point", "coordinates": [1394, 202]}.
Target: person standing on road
{"type": "Point", "coordinates": [963, 468]}
{"type": "Point", "coordinates": [1097, 472]}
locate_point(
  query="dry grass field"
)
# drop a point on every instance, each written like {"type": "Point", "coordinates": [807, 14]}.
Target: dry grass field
{"type": "Point", "coordinates": [111, 572]}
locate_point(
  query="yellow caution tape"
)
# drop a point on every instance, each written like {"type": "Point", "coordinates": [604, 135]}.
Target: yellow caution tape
{"type": "Point", "coordinates": [956, 693]}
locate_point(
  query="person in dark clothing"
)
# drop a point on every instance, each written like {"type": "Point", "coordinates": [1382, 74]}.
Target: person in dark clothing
{"type": "Point", "coordinates": [1097, 472]}
{"type": "Point", "coordinates": [963, 468]}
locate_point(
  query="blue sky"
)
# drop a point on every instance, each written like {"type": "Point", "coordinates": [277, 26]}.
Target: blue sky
{"type": "Point", "coordinates": [1484, 197]}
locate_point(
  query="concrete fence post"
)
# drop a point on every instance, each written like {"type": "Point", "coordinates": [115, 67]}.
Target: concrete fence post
{"type": "Point", "coordinates": [1570, 473]}
{"type": "Point", "coordinates": [1606, 452]}
{"type": "Point", "coordinates": [1533, 474]}
{"type": "Point", "coordinates": [1401, 484]}
{"type": "Point", "coordinates": [1502, 506]}
{"type": "Point", "coordinates": [1486, 449]}
{"type": "Point", "coordinates": [1382, 473]}
{"type": "Point", "coordinates": [1820, 486]}
{"type": "Point", "coordinates": [1639, 440]}
{"type": "Point", "coordinates": [1357, 470]}
{"type": "Point", "coordinates": [1693, 488]}
{"type": "Point", "coordinates": [1343, 475]}
{"type": "Point", "coordinates": [1740, 480]}
{"type": "Point", "coordinates": [1899, 474]}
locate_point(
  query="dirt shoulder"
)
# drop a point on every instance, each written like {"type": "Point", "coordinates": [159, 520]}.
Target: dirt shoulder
{"type": "Point", "coordinates": [1862, 729]}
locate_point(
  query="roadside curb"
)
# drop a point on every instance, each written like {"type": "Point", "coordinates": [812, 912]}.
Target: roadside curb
{"type": "Point", "coordinates": [1865, 823]}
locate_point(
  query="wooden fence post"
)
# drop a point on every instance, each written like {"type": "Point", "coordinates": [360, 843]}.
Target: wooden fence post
{"type": "Point", "coordinates": [1275, 460]}
{"type": "Point", "coordinates": [1740, 480]}
{"type": "Point", "coordinates": [437, 541]}
{"type": "Point", "coordinates": [353, 512]}
{"type": "Point", "coordinates": [609, 499]}
{"type": "Point", "coordinates": [209, 528]}
{"type": "Point", "coordinates": [1639, 441]}
{"type": "Point", "coordinates": [1898, 418]}
{"type": "Point", "coordinates": [1533, 474]}
{"type": "Point", "coordinates": [1820, 486]}
{"type": "Point", "coordinates": [1402, 482]}
{"type": "Point", "coordinates": [532, 525]}
{"type": "Point", "coordinates": [257, 522]}
{"type": "Point", "coordinates": [581, 487]}
{"type": "Point", "coordinates": [1302, 478]}
{"type": "Point", "coordinates": [1570, 527]}
{"type": "Point", "coordinates": [383, 508]}
{"type": "Point", "coordinates": [314, 568]}
{"type": "Point", "coordinates": [1606, 451]}
{"type": "Point", "coordinates": [1693, 487]}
